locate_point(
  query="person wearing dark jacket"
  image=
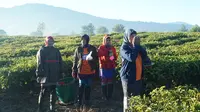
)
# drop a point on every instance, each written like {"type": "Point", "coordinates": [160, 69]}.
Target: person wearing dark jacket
{"type": "Point", "coordinates": [84, 68]}
{"type": "Point", "coordinates": [107, 61]}
{"type": "Point", "coordinates": [48, 72]}
{"type": "Point", "coordinates": [133, 59]}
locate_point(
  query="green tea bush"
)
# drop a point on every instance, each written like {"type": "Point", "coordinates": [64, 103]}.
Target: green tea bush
{"type": "Point", "coordinates": [179, 99]}
{"type": "Point", "coordinates": [176, 57]}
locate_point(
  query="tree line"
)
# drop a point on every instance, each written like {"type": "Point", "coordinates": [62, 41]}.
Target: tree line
{"type": "Point", "coordinates": [90, 29]}
{"type": "Point", "coordinates": [195, 28]}
{"type": "Point", "coordinates": [86, 29]}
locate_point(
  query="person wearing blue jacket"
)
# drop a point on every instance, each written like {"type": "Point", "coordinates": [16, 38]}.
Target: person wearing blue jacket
{"type": "Point", "coordinates": [133, 58]}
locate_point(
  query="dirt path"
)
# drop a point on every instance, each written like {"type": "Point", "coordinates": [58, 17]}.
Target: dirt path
{"type": "Point", "coordinates": [26, 102]}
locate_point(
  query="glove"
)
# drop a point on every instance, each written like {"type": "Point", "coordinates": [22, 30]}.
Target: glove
{"type": "Point", "coordinates": [89, 56]}
{"type": "Point", "coordinates": [112, 58]}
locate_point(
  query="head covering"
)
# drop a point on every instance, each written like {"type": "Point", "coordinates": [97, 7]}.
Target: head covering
{"type": "Point", "coordinates": [106, 36]}
{"type": "Point", "coordinates": [127, 35]}
{"type": "Point", "coordinates": [87, 38]}
{"type": "Point", "coordinates": [48, 42]}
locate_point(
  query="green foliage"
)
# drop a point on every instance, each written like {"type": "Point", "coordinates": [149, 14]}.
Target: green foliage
{"type": "Point", "coordinates": [176, 57]}
{"type": "Point", "coordinates": [102, 30]}
{"type": "Point", "coordinates": [118, 28]}
{"type": "Point", "coordinates": [195, 28]}
{"type": "Point", "coordinates": [179, 99]}
{"type": "Point", "coordinates": [2, 32]}
{"type": "Point", "coordinates": [88, 29]}
{"type": "Point", "coordinates": [183, 28]}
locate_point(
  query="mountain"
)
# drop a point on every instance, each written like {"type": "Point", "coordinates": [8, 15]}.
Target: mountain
{"type": "Point", "coordinates": [24, 19]}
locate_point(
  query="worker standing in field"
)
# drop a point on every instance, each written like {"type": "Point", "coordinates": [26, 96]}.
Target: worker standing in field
{"type": "Point", "coordinates": [84, 68]}
{"type": "Point", "coordinates": [48, 72]}
{"type": "Point", "coordinates": [133, 59]}
{"type": "Point", "coordinates": [107, 60]}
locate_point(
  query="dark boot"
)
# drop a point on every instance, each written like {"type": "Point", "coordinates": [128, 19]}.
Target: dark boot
{"type": "Point", "coordinates": [104, 91]}
{"type": "Point", "coordinates": [87, 93]}
{"type": "Point", "coordinates": [52, 98]}
{"type": "Point", "coordinates": [110, 91]}
{"type": "Point", "coordinates": [80, 97]}
{"type": "Point", "coordinates": [41, 100]}
{"type": "Point", "coordinates": [87, 99]}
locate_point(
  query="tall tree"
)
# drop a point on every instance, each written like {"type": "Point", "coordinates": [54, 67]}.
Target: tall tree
{"type": "Point", "coordinates": [102, 30]}
{"type": "Point", "coordinates": [88, 29]}
{"type": "Point", "coordinates": [183, 28]}
{"type": "Point", "coordinates": [3, 32]}
{"type": "Point", "coordinates": [41, 28]}
{"type": "Point", "coordinates": [195, 28]}
{"type": "Point", "coordinates": [119, 28]}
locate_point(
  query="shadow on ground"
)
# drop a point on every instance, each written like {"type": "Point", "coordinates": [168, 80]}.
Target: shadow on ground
{"type": "Point", "coordinates": [24, 101]}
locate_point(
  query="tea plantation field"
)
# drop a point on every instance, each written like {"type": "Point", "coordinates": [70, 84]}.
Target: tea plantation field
{"type": "Point", "coordinates": [176, 57]}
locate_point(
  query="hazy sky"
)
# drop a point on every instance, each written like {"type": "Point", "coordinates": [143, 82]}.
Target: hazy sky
{"type": "Point", "coordinates": [133, 10]}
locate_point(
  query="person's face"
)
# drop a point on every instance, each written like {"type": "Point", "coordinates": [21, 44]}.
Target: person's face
{"type": "Point", "coordinates": [108, 41]}
{"type": "Point", "coordinates": [84, 42]}
{"type": "Point", "coordinates": [131, 39]}
{"type": "Point", "coordinates": [50, 42]}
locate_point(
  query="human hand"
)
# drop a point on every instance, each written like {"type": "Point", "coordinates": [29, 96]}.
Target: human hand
{"type": "Point", "coordinates": [89, 56]}
{"type": "Point", "coordinates": [136, 40]}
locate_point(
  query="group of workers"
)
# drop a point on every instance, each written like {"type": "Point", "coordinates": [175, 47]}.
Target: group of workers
{"type": "Point", "coordinates": [86, 57]}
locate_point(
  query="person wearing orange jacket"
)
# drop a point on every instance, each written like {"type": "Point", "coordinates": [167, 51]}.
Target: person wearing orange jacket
{"type": "Point", "coordinates": [107, 60]}
{"type": "Point", "coordinates": [84, 69]}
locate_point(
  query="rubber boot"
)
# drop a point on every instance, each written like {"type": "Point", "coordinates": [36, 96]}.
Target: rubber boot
{"type": "Point", "coordinates": [52, 99]}
{"type": "Point", "coordinates": [87, 93]}
{"type": "Point", "coordinates": [80, 97]}
{"type": "Point", "coordinates": [110, 91]}
{"type": "Point", "coordinates": [104, 91]}
{"type": "Point", "coordinates": [87, 99]}
{"type": "Point", "coordinates": [41, 100]}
